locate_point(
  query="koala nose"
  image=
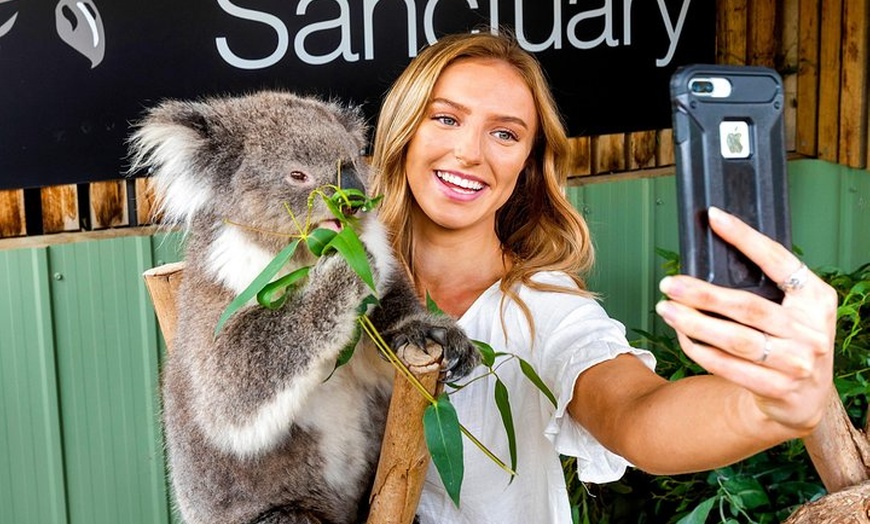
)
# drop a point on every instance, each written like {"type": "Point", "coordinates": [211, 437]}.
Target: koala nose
{"type": "Point", "coordinates": [348, 179]}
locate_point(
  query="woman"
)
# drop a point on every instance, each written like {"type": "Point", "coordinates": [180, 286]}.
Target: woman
{"type": "Point", "coordinates": [472, 157]}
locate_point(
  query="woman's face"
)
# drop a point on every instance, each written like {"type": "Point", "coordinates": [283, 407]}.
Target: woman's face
{"type": "Point", "coordinates": [464, 159]}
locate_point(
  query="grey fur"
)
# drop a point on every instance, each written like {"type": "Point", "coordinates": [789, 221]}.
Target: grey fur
{"type": "Point", "coordinates": [253, 432]}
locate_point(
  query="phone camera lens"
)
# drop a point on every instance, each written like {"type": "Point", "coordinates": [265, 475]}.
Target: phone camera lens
{"type": "Point", "coordinates": [701, 87]}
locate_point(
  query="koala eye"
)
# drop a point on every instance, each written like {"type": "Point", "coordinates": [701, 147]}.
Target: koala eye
{"type": "Point", "coordinates": [297, 176]}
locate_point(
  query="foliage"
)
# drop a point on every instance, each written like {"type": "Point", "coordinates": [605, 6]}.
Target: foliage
{"type": "Point", "coordinates": [442, 430]}
{"type": "Point", "coordinates": [765, 488]}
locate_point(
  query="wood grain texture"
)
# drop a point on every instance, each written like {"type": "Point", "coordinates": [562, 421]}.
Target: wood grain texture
{"type": "Point", "coordinates": [829, 79]}
{"type": "Point", "coordinates": [60, 209]}
{"type": "Point", "coordinates": [806, 124]}
{"type": "Point", "coordinates": [853, 85]}
{"type": "Point", "coordinates": [108, 204]}
{"type": "Point", "coordinates": [763, 32]}
{"type": "Point", "coordinates": [608, 153]}
{"type": "Point", "coordinates": [731, 31]}
{"type": "Point", "coordinates": [12, 218]}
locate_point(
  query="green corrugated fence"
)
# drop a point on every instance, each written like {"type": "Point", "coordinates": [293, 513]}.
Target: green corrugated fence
{"type": "Point", "coordinates": [80, 348]}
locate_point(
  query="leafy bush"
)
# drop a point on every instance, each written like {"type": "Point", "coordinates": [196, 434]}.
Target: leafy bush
{"type": "Point", "coordinates": [765, 488]}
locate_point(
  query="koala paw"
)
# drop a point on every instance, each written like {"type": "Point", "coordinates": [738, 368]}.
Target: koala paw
{"type": "Point", "coordinates": [420, 343]}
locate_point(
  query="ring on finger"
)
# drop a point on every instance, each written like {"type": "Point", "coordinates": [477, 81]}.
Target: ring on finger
{"type": "Point", "coordinates": [765, 350]}
{"type": "Point", "coordinates": [796, 280]}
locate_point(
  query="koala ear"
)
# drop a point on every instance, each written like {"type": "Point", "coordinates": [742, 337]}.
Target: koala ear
{"type": "Point", "coordinates": [353, 119]}
{"type": "Point", "coordinates": [170, 143]}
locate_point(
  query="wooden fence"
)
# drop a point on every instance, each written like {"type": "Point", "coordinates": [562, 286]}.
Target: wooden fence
{"type": "Point", "coordinates": [819, 46]}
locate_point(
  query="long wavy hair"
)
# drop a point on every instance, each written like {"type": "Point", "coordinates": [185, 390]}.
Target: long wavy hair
{"type": "Point", "coordinates": [538, 227]}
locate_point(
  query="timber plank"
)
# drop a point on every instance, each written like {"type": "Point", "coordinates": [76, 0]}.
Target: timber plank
{"type": "Point", "coordinates": [829, 79]}
{"type": "Point", "coordinates": [731, 27]}
{"type": "Point", "coordinates": [145, 201]}
{"type": "Point", "coordinates": [641, 149]}
{"type": "Point", "coordinates": [608, 153]}
{"type": "Point", "coordinates": [806, 125]}
{"type": "Point", "coordinates": [763, 33]}
{"type": "Point", "coordinates": [788, 69]}
{"type": "Point", "coordinates": [12, 219]}
{"type": "Point", "coordinates": [60, 208]}
{"type": "Point", "coordinates": [581, 155]}
{"type": "Point", "coordinates": [665, 148]}
{"type": "Point", "coordinates": [853, 85]}
{"type": "Point", "coordinates": [108, 204]}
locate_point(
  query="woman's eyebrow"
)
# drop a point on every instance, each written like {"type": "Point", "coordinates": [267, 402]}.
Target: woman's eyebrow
{"type": "Point", "coordinates": [465, 109]}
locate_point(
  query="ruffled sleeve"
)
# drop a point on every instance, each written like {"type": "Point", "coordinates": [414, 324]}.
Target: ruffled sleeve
{"type": "Point", "coordinates": [577, 336]}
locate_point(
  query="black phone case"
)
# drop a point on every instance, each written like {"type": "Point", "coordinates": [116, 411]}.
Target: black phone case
{"type": "Point", "coordinates": [753, 188]}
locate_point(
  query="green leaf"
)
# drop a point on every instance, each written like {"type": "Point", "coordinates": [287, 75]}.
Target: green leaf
{"type": "Point", "coordinates": [275, 293]}
{"type": "Point", "coordinates": [318, 239]}
{"type": "Point", "coordinates": [431, 306]}
{"type": "Point", "coordinates": [487, 354]}
{"type": "Point", "coordinates": [262, 279]}
{"type": "Point", "coordinates": [444, 440]}
{"type": "Point", "coordinates": [699, 514]}
{"type": "Point", "coordinates": [507, 419]}
{"type": "Point", "coordinates": [348, 245]}
{"type": "Point", "coordinates": [530, 373]}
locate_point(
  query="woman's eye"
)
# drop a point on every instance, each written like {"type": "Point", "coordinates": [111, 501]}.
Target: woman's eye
{"type": "Point", "coordinates": [505, 135]}
{"type": "Point", "coordinates": [446, 120]}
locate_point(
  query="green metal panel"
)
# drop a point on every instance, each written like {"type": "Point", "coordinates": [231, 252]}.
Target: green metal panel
{"type": "Point", "coordinates": [628, 220]}
{"type": "Point", "coordinates": [80, 348]}
{"type": "Point", "coordinates": [108, 374]}
{"type": "Point", "coordinates": [31, 467]}
{"type": "Point", "coordinates": [830, 213]}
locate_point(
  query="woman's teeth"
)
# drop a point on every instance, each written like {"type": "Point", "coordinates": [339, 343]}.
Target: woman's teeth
{"type": "Point", "coordinates": [471, 185]}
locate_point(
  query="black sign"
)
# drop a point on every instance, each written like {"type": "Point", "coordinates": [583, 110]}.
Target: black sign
{"type": "Point", "coordinates": [74, 74]}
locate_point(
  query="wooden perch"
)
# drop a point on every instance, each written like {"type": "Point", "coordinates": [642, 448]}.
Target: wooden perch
{"type": "Point", "coordinates": [404, 457]}
{"type": "Point", "coordinates": [840, 452]}
{"type": "Point", "coordinates": [163, 283]}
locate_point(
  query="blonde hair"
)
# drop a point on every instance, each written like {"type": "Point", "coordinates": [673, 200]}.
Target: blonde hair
{"type": "Point", "coordinates": [538, 227]}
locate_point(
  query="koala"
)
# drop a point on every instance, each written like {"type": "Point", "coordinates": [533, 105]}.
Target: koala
{"type": "Point", "coordinates": [259, 424]}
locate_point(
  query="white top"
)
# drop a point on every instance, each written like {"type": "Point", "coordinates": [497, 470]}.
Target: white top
{"type": "Point", "coordinates": [572, 333]}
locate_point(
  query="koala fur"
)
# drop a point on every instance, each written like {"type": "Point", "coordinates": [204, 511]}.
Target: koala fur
{"type": "Point", "coordinates": [254, 431]}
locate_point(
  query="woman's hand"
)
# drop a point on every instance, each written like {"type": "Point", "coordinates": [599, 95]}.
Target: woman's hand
{"type": "Point", "coordinates": [781, 353]}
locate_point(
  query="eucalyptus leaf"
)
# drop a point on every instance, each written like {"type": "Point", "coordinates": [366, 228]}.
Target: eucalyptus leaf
{"type": "Point", "coordinates": [349, 246]}
{"type": "Point", "coordinates": [318, 239]}
{"type": "Point", "coordinates": [530, 373]}
{"type": "Point", "coordinates": [444, 440]}
{"type": "Point", "coordinates": [432, 307]}
{"type": "Point", "coordinates": [507, 419]}
{"type": "Point", "coordinates": [261, 280]}
{"type": "Point", "coordinates": [275, 293]}
{"type": "Point", "coordinates": [487, 354]}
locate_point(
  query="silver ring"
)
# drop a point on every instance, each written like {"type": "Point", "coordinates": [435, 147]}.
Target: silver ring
{"type": "Point", "coordinates": [796, 280]}
{"type": "Point", "coordinates": [765, 351]}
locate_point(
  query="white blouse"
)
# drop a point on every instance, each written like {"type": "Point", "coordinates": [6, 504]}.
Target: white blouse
{"type": "Point", "coordinates": [572, 333]}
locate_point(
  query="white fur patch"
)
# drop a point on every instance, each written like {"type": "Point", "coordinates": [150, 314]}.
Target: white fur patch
{"type": "Point", "coordinates": [169, 149]}
{"type": "Point", "coordinates": [273, 420]}
{"type": "Point", "coordinates": [374, 236]}
{"type": "Point", "coordinates": [235, 261]}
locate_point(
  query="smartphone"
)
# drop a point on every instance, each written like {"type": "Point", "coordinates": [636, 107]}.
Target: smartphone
{"type": "Point", "coordinates": [730, 153]}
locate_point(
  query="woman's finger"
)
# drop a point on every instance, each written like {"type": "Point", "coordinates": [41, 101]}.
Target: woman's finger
{"type": "Point", "coordinates": [791, 356]}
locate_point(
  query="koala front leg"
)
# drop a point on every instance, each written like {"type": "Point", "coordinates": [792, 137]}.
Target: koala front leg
{"type": "Point", "coordinates": [263, 366]}
{"type": "Point", "coordinates": [402, 320]}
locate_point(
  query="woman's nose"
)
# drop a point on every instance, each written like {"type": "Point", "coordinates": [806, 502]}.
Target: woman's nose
{"type": "Point", "coordinates": [467, 149]}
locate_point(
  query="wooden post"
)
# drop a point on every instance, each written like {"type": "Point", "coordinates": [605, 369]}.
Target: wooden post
{"type": "Point", "coordinates": [840, 452]}
{"type": "Point", "coordinates": [163, 283]}
{"type": "Point", "coordinates": [404, 455]}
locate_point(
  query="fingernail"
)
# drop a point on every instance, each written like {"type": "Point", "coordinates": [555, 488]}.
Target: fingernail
{"type": "Point", "coordinates": [665, 310]}
{"type": "Point", "coordinates": [670, 286]}
{"type": "Point", "coordinates": [714, 214]}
